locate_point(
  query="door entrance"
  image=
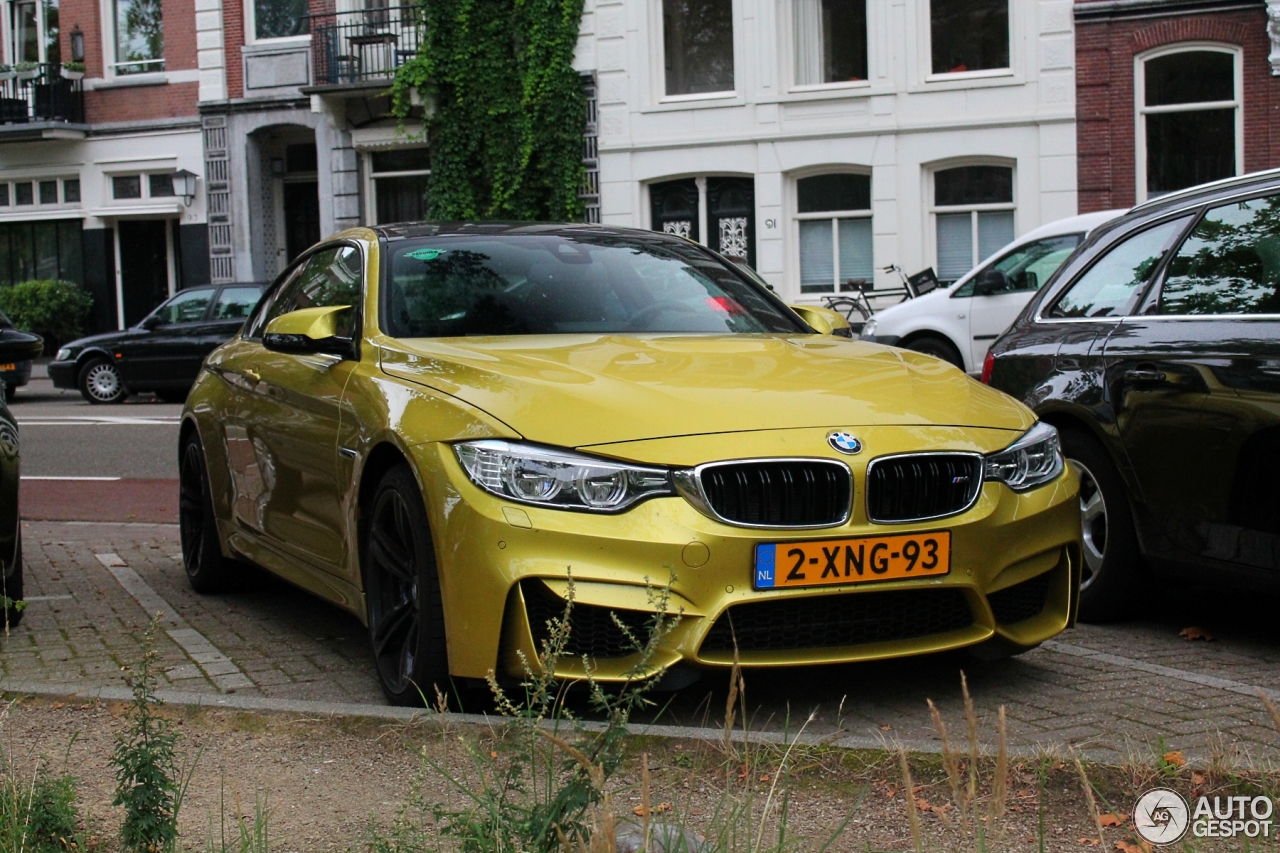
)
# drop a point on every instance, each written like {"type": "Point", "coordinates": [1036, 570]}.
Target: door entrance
{"type": "Point", "coordinates": [301, 217]}
{"type": "Point", "coordinates": [144, 267]}
{"type": "Point", "coordinates": [731, 217]}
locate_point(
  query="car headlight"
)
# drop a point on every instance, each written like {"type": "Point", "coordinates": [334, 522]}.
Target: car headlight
{"type": "Point", "coordinates": [63, 354]}
{"type": "Point", "coordinates": [869, 328]}
{"type": "Point", "coordinates": [1032, 460]}
{"type": "Point", "coordinates": [545, 476]}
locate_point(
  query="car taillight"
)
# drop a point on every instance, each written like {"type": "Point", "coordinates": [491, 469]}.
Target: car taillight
{"type": "Point", "coordinates": [987, 363]}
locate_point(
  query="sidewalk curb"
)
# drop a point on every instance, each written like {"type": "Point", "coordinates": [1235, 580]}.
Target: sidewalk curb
{"type": "Point", "coordinates": [233, 702]}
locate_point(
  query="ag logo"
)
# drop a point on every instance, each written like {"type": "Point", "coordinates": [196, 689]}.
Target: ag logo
{"type": "Point", "coordinates": [845, 442]}
{"type": "Point", "coordinates": [1161, 816]}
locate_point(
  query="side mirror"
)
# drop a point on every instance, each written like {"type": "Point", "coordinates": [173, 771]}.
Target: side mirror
{"type": "Point", "coordinates": [19, 346]}
{"type": "Point", "coordinates": [989, 282]}
{"type": "Point", "coordinates": [152, 322]}
{"type": "Point", "coordinates": [824, 321]}
{"type": "Point", "coordinates": [308, 330]}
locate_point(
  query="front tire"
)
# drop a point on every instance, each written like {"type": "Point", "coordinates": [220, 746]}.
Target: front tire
{"type": "Point", "coordinates": [101, 383]}
{"type": "Point", "coordinates": [207, 569]}
{"type": "Point", "coordinates": [402, 592]}
{"type": "Point", "coordinates": [938, 348]}
{"type": "Point", "coordinates": [1112, 567]}
{"type": "Point", "coordinates": [13, 587]}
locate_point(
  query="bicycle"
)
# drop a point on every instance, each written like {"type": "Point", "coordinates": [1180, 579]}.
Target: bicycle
{"type": "Point", "coordinates": [857, 293]}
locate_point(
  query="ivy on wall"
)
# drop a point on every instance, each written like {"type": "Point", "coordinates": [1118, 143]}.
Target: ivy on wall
{"type": "Point", "coordinates": [505, 133]}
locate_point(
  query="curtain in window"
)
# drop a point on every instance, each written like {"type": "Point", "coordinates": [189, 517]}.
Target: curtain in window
{"type": "Point", "coordinates": [809, 49]}
{"type": "Point", "coordinates": [995, 229]}
{"type": "Point", "coordinates": [855, 249]}
{"type": "Point", "coordinates": [816, 256]}
{"type": "Point", "coordinates": [955, 245]}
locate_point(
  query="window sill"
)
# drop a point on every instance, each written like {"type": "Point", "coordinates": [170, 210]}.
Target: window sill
{"type": "Point", "coordinates": [127, 81]}
{"type": "Point", "coordinates": [969, 80]}
{"type": "Point", "coordinates": [699, 101]}
{"type": "Point", "coordinates": [843, 91]}
{"type": "Point", "coordinates": [282, 43]}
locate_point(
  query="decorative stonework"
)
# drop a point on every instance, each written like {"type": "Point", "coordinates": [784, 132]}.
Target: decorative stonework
{"type": "Point", "coordinates": [733, 237]}
{"type": "Point", "coordinates": [679, 227]}
{"type": "Point", "coordinates": [1273, 31]}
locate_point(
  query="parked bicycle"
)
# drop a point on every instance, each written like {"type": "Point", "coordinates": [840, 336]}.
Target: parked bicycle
{"type": "Point", "coordinates": [857, 294]}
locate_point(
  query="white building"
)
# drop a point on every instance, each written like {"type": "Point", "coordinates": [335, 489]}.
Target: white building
{"type": "Point", "coordinates": [827, 139]}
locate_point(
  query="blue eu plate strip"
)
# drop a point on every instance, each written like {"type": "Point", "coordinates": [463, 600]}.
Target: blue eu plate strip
{"type": "Point", "coordinates": [764, 566]}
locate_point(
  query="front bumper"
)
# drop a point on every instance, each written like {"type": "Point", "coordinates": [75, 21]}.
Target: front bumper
{"type": "Point", "coordinates": [19, 376]}
{"type": "Point", "coordinates": [63, 374]}
{"type": "Point", "coordinates": [506, 569]}
{"type": "Point", "coordinates": [887, 340]}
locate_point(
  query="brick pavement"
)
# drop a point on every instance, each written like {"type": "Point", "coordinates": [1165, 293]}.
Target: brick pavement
{"type": "Point", "coordinates": [1111, 691]}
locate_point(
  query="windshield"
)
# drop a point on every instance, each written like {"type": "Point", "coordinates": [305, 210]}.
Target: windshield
{"type": "Point", "coordinates": [525, 284]}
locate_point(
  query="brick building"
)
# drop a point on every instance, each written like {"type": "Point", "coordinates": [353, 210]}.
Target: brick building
{"type": "Point", "coordinates": [1171, 93]}
{"type": "Point", "coordinates": [88, 159]}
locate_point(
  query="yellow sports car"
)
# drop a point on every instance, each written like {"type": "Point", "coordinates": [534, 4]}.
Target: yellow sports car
{"type": "Point", "coordinates": [442, 427]}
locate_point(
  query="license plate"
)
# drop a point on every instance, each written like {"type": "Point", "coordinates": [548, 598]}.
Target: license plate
{"type": "Point", "coordinates": [851, 561]}
{"type": "Point", "coordinates": [9, 366]}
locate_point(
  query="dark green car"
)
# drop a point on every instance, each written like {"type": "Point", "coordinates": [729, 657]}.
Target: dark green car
{"type": "Point", "coordinates": [14, 346]}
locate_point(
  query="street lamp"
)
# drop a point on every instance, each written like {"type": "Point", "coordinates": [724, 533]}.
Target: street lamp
{"type": "Point", "coordinates": [184, 185]}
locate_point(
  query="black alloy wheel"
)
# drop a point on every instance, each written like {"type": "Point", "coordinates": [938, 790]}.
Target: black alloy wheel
{"type": "Point", "coordinates": [101, 382]}
{"type": "Point", "coordinates": [1112, 569]}
{"type": "Point", "coordinates": [938, 348]}
{"type": "Point", "coordinates": [207, 570]}
{"type": "Point", "coordinates": [402, 591]}
{"type": "Point", "coordinates": [12, 588]}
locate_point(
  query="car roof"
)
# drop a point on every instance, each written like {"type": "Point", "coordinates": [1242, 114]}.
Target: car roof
{"type": "Point", "coordinates": [1210, 191]}
{"type": "Point", "coordinates": [411, 230]}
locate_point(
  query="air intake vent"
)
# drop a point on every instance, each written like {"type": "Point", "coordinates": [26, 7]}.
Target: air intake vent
{"type": "Point", "coordinates": [1020, 601]}
{"type": "Point", "coordinates": [792, 624]}
{"type": "Point", "coordinates": [592, 631]}
{"type": "Point", "coordinates": [778, 492]}
{"type": "Point", "coordinates": [920, 486]}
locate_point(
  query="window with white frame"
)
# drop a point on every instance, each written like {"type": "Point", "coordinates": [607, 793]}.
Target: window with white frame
{"type": "Point", "coordinates": [833, 221]}
{"type": "Point", "coordinates": [973, 212]}
{"type": "Point", "coordinates": [275, 19]}
{"type": "Point", "coordinates": [968, 35]}
{"type": "Point", "coordinates": [138, 36]}
{"type": "Point", "coordinates": [1190, 121]}
{"type": "Point", "coordinates": [135, 187]}
{"type": "Point", "coordinates": [33, 31]}
{"type": "Point", "coordinates": [697, 40]}
{"type": "Point", "coordinates": [830, 41]}
{"type": "Point", "coordinates": [398, 185]}
{"type": "Point", "coordinates": [37, 193]}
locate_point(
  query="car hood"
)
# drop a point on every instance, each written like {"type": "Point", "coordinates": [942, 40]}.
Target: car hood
{"type": "Point", "coordinates": [931, 303]}
{"type": "Point", "coordinates": [580, 390]}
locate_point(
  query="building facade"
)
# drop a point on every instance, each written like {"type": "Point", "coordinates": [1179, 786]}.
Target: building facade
{"type": "Point", "coordinates": [298, 143]}
{"type": "Point", "coordinates": [89, 153]}
{"type": "Point", "coordinates": [1173, 93]}
{"type": "Point", "coordinates": [825, 140]}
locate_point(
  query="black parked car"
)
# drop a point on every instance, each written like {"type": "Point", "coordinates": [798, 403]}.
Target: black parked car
{"type": "Point", "coordinates": [1155, 350]}
{"type": "Point", "coordinates": [15, 346]}
{"type": "Point", "coordinates": [14, 372]}
{"type": "Point", "coordinates": [163, 353]}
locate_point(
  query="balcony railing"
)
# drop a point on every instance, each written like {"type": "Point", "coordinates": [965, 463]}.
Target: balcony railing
{"type": "Point", "coordinates": [364, 46]}
{"type": "Point", "coordinates": [40, 95]}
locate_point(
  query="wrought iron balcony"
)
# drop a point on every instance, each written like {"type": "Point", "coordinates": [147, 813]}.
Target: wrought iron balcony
{"type": "Point", "coordinates": [363, 47]}
{"type": "Point", "coordinates": [39, 95]}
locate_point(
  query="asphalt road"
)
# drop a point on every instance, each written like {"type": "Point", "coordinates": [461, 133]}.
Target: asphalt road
{"type": "Point", "coordinates": [64, 436]}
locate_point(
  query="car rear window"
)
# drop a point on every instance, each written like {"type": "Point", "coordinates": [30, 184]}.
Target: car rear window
{"type": "Point", "coordinates": [525, 284]}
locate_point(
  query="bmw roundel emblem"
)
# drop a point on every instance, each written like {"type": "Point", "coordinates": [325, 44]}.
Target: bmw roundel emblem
{"type": "Point", "coordinates": [845, 442]}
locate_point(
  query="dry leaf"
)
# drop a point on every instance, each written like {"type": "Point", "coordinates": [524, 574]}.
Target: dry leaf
{"type": "Point", "coordinates": [1091, 842]}
{"type": "Point", "coordinates": [493, 755]}
{"type": "Point", "coordinates": [1113, 819]}
{"type": "Point", "coordinates": [885, 727]}
{"type": "Point", "coordinates": [658, 809]}
{"type": "Point", "coordinates": [1194, 633]}
{"type": "Point", "coordinates": [943, 809]}
{"type": "Point", "coordinates": [923, 805]}
{"type": "Point", "coordinates": [1127, 847]}
{"type": "Point", "coordinates": [1197, 778]}
{"type": "Point", "coordinates": [1175, 758]}
{"type": "Point", "coordinates": [764, 777]}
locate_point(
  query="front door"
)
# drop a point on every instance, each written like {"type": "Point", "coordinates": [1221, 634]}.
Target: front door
{"type": "Point", "coordinates": [1195, 376]}
{"type": "Point", "coordinates": [283, 439]}
{"type": "Point", "coordinates": [144, 267]}
{"type": "Point", "coordinates": [731, 217]}
{"type": "Point", "coordinates": [301, 217]}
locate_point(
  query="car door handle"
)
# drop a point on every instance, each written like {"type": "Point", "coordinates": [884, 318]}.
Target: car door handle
{"type": "Point", "coordinates": [1146, 375]}
{"type": "Point", "coordinates": [250, 373]}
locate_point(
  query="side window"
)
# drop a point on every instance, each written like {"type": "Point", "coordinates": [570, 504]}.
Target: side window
{"type": "Point", "coordinates": [331, 277]}
{"type": "Point", "coordinates": [1108, 286]}
{"type": "Point", "coordinates": [1029, 266]}
{"type": "Point", "coordinates": [186, 307]}
{"type": "Point", "coordinates": [235, 303]}
{"type": "Point", "coordinates": [255, 325]}
{"type": "Point", "coordinates": [1230, 264]}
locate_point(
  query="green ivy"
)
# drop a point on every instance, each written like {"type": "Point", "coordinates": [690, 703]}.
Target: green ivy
{"type": "Point", "coordinates": [505, 130]}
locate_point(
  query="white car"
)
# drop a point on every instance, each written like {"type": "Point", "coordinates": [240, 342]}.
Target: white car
{"type": "Point", "coordinates": [958, 323]}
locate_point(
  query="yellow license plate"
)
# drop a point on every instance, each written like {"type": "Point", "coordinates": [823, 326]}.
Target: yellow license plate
{"type": "Point", "coordinates": [9, 366]}
{"type": "Point", "coordinates": [851, 561]}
